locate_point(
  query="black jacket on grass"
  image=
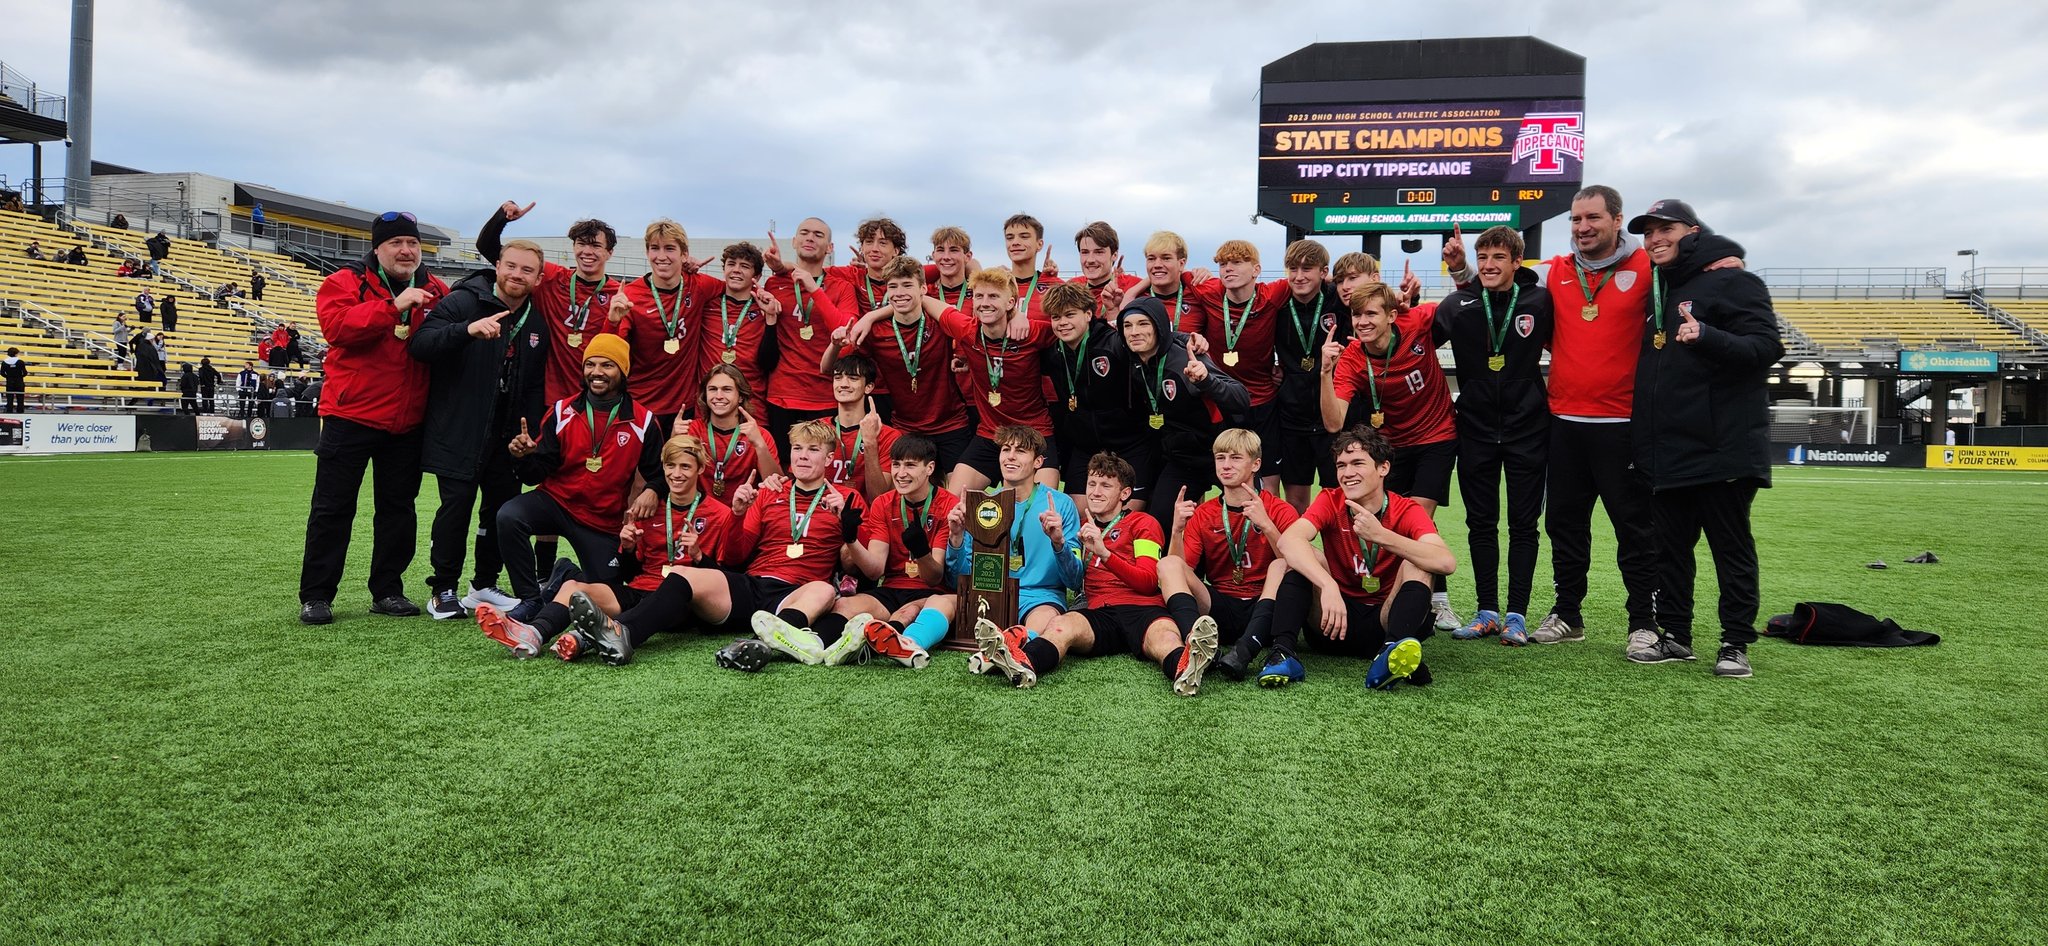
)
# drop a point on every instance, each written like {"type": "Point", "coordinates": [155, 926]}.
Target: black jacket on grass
{"type": "Point", "coordinates": [1510, 405]}
{"type": "Point", "coordinates": [478, 388]}
{"type": "Point", "coordinates": [1702, 409]}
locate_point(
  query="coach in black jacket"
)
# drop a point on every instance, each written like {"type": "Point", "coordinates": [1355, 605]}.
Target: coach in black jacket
{"type": "Point", "coordinates": [1497, 336]}
{"type": "Point", "coordinates": [488, 351]}
{"type": "Point", "coordinates": [1702, 425]}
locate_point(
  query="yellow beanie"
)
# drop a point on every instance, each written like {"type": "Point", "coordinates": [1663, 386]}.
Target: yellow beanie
{"type": "Point", "coordinates": [613, 347]}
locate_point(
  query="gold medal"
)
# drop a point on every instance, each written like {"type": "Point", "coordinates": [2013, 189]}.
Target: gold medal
{"type": "Point", "coordinates": [1230, 358]}
{"type": "Point", "coordinates": [729, 356]}
{"type": "Point", "coordinates": [1589, 311]}
{"type": "Point", "coordinates": [1497, 362]}
{"type": "Point", "coordinates": [1016, 560]}
{"type": "Point", "coordinates": [995, 398]}
{"type": "Point", "coordinates": [910, 568]}
{"type": "Point", "coordinates": [593, 464]}
{"type": "Point", "coordinates": [795, 550]}
{"type": "Point", "coordinates": [1073, 403]}
{"type": "Point", "coordinates": [1237, 574]}
{"type": "Point", "coordinates": [671, 346]}
{"type": "Point", "coordinates": [913, 384]}
{"type": "Point", "coordinates": [1371, 583]}
{"type": "Point", "coordinates": [804, 333]}
{"type": "Point", "coordinates": [1157, 421]}
{"type": "Point", "coordinates": [403, 331]}
{"type": "Point", "coordinates": [1379, 418]}
{"type": "Point", "coordinates": [1308, 364]}
{"type": "Point", "coordinates": [575, 339]}
{"type": "Point", "coordinates": [1657, 340]}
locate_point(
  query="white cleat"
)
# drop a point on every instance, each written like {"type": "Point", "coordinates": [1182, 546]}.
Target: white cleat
{"type": "Point", "coordinates": [798, 643]}
{"type": "Point", "coordinates": [1201, 650]}
{"type": "Point", "coordinates": [491, 596]}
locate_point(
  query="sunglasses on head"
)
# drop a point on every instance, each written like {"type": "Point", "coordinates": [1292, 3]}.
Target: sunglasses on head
{"type": "Point", "coordinates": [391, 215]}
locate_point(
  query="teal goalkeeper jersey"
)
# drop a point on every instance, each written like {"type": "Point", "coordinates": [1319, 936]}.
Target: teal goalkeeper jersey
{"type": "Point", "coordinates": [1045, 568]}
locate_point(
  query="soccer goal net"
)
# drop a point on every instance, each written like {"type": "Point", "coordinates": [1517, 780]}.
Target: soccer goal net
{"type": "Point", "coordinates": [1822, 425]}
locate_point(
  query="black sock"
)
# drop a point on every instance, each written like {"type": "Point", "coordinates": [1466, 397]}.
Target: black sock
{"type": "Point", "coordinates": [665, 609]}
{"type": "Point", "coordinates": [830, 627]}
{"type": "Point", "coordinates": [901, 628]}
{"type": "Point", "coordinates": [545, 551]}
{"type": "Point", "coordinates": [552, 618]}
{"type": "Point", "coordinates": [1407, 613]}
{"type": "Point", "coordinates": [1044, 657]}
{"type": "Point", "coordinates": [1436, 583]}
{"type": "Point", "coordinates": [1172, 663]}
{"type": "Point", "coordinates": [794, 617]}
{"type": "Point", "coordinates": [1261, 625]}
{"type": "Point", "coordinates": [1184, 610]}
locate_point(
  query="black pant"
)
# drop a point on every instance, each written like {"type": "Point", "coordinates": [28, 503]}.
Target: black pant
{"type": "Point", "coordinates": [205, 402]}
{"type": "Point", "coordinates": [1403, 613]}
{"type": "Point", "coordinates": [781, 419]}
{"type": "Point", "coordinates": [1480, 465]}
{"type": "Point", "coordinates": [537, 513]}
{"type": "Point", "coordinates": [17, 402]}
{"type": "Point", "coordinates": [1588, 462]}
{"type": "Point", "coordinates": [1721, 510]}
{"type": "Point", "coordinates": [346, 450]}
{"type": "Point", "coordinates": [496, 483]}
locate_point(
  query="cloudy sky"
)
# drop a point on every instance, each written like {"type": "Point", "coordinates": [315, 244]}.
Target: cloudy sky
{"type": "Point", "coordinates": [1875, 133]}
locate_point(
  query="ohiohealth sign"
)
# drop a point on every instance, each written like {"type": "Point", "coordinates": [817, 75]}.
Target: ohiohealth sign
{"type": "Point", "coordinates": [1948, 362]}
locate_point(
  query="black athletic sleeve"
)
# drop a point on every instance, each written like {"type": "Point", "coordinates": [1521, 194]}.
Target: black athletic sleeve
{"type": "Point", "coordinates": [650, 464]}
{"type": "Point", "coordinates": [446, 330]}
{"type": "Point", "coordinates": [489, 240]}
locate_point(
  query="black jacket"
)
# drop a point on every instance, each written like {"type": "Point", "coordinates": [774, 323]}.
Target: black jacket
{"type": "Point", "coordinates": [1195, 413]}
{"type": "Point", "coordinates": [1702, 409]}
{"type": "Point", "coordinates": [467, 412]}
{"type": "Point", "coordinates": [1509, 405]}
{"type": "Point", "coordinates": [1300, 397]}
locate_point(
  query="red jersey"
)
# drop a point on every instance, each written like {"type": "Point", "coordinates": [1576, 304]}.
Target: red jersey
{"type": "Point", "coordinates": [1233, 556]}
{"type": "Point", "coordinates": [849, 456]}
{"type": "Point", "coordinates": [1009, 370]}
{"type": "Point", "coordinates": [1350, 563]}
{"type": "Point", "coordinates": [927, 401]}
{"type": "Point", "coordinates": [616, 440]}
{"type": "Point", "coordinates": [777, 522]}
{"type": "Point", "coordinates": [1241, 343]}
{"type": "Point", "coordinates": [1130, 575]}
{"type": "Point", "coordinates": [1177, 301]}
{"type": "Point", "coordinates": [1031, 295]}
{"type": "Point", "coordinates": [658, 548]}
{"type": "Point", "coordinates": [1109, 297]}
{"type": "Point", "coordinates": [1593, 350]}
{"type": "Point", "coordinates": [371, 378]}
{"type": "Point", "coordinates": [959, 297]}
{"type": "Point", "coordinates": [1412, 392]}
{"type": "Point", "coordinates": [573, 309]}
{"type": "Point", "coordinates": [665, 381]}
{"type": "Point", "coordinates": [885, 519]}
{"type": "Point", "coordinates": [732, 458]}
{"type": "Point", "coordinates": [797, 383]}
{"type": "Point", "coordinates": [738, 327]}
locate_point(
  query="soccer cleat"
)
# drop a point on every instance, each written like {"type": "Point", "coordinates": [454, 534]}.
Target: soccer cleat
{"type": "Point", "coordinates": [1195, 656]}
{"type": "Point", "coordinates": [565, 571]}
{"type": "Point", "coordinates": [1663, 651]}
{"type": "Point", "coordinates": [849, 646]}
{"type": "Point", "coordinates": [1282, 669]}
{"type": "Point", "coordinates": [1732, 662]}
{"type": "Point", "coordinates": [1396, 661]}
{"type": "Point", "coordinates": [1484, 624]}
{"type": "Point", "coordinates": [1446, 619]}
{"type": "Point", "coordinates": [747, 654]}
{"type": "Point", "coordinates": [1513, 631]}
{"type": "Point", "coordinates": [1236, 663]}
{"type": "Point", "coordinates": [489, 594]}
{"type": "Point", "coordinates": [316, 612]}
{"type": "Point", "coordinates": [1004, 650]}
{"type": "Point", "coordinates": [571, 644]}
{"type": "Point", "coordinates": [606, 635]}
{"type": "Point", "coordinates": [1421, 676]}
{"type": "Point", "coordinates": [1556, 630]}
{"type": "Point", "coordinates": [397, 606]}
{"type": "Point", "coordinates": [1640, 640]}
{"type": "Point", "coordinates": [443, 606]}
{"type": "Point", "coordinates": [884, 639]}
{"type": "Point", "coordinates": [800, 643]}
{"type": "Point", "coordinates": [518, 635]}
{"type": "Point", "coordinates": [977, 664]}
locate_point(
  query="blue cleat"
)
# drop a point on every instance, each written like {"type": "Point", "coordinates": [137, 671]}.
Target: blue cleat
{"type": "Point", "coordinates": [1514, 631]}
{"type": "Point", "coordinates": [1395, 662]}
{"type": "Point", "coordinates": [1281, 670]}
{"type": "Point", "coordinates": [1484, 624]}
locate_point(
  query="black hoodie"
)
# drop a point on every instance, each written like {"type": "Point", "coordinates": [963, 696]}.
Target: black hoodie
{"type": "Point", "coordinates": [473, 380]}
{"type": "Point", "coordinates": [1702, 409]}
{"type": "Point", "coordinates": [1509, 405]}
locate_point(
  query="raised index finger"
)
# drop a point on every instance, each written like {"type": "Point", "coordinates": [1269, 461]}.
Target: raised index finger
{"type": "Point", "coordinates": [1457, 232]}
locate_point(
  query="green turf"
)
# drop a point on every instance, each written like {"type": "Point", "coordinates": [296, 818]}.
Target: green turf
{"type": "Point", "coordinates": [182, 762]}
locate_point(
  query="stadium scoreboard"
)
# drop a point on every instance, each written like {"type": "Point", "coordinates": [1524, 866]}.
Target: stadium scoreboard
{"type": "Point", "coordinates": [1418, 136]}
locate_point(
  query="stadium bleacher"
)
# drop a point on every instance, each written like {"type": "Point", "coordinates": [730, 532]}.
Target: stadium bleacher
{"type": "Point", "coordinates": [1852, 325]}
{"type": "Point", "coordinates": [2034, 312]}
{"type": "Point", "coordinates": [205, 268]}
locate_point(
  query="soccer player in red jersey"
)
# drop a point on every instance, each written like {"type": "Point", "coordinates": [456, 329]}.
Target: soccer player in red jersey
{"type": "Point", "coordinates": [1312, 312]}
{"type": "Point", "coordinates": [1240, 318]}
{"type": "Point", "coordinates": [864, 441]}
{"type": "Point", "coordinates": [952, 262]}
{"type": "Point", "coordinates": [1023, 238]}
{"type": "Point", "coordinates": [1005, 378]}
{"type": "Point", "coordinates": [912, 355]}
{"type": "Point", "coordinates": [739, 452]}
{"type": "Point", "coordinates": [1102, 268]}
{"type": "Point", "coordinates": [1391, 373]}
{"type": "Point", "coordinates": [691, 530]}
{"type": "Point", "coordinates": [1120, 549]}
{"type": "Point", "coordinates": [1371, 577]}
{"type": "Point", "coordinates": [738, 326]}
{"type": "Point", "coordinates": [814, 300]}
{"type": "Point", "coordinates": [1222, 563]}
{"type": "Point", "coordinates": [902, 546]}
{"type": "Point", "coordinates": [573, 302]}
{"type": "Point", "coordinates": [661, 313]}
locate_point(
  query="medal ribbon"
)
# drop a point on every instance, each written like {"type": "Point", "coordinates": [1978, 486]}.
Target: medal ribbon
{"type": "Point", "coordinates": [1372, 378]}
{"type": "Point", "coordinates": [913, 358]}
{"type": "Point", "coordinates": [590, 418]}
{"type": "Point", "coordinates": [799, 529]}
{"type": "Point", "coordinates": [1499, 333]}
{"type": "Point", "coordinates": [660, 310]}
{"type": "Point", "coordinates": [727, 328]}
{"type": "Point", "coordinates": [668, 523]}
{"type": "Point", "coordinates": [1302, 334]}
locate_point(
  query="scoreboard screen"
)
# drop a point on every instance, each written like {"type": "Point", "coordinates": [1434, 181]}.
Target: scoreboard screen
{"type": "Point", "coordinates": [1421, 145]}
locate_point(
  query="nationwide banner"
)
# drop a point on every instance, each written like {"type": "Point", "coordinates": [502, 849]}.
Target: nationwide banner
{"type": "Point", "coordinates": [1987, 458]}
{"type": "Point", "coordinates": [1475, 144]}
{"type": "Point", "coordinates": [1849, 454]}
{"type": "Point", "coordinates": [67, 433]}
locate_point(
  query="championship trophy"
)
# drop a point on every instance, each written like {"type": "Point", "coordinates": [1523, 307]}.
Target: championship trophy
{"type": "Point", "coordinates": [987, 590]}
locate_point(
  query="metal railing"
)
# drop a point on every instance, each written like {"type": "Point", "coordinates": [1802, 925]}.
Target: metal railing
{"type": "Point", "coordinates": [42, 317]}
{"type": "Point", "coordinates": [19, 90]}
{"type": "Point", "coordinates": [1888, 282]}
{"type": "Point", "coordinates": [2008, 282]}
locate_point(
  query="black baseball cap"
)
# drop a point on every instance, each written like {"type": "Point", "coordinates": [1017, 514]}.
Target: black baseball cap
{"type": "Point", "coordinates": [1150, 308]}
{"type": "Point", "coordinates": [1670, 208]}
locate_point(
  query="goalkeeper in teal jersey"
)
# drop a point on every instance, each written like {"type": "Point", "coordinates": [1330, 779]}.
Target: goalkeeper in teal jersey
{"type": "Point", "coordinates": [1045, 543]}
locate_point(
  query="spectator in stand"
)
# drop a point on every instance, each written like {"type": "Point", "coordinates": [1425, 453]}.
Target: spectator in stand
{"type": "Point", "coordinates": [120, 222]}
{"type": "Point", "coordinates": [148, 367]}
{"type": "Point", "coordinates": [280, 347]}
{"type": "Point", "coordinates": [120, 332]}
{"type": "Point", "coordinates": [145, 305]}
{"type": "Point", "coordinates": [125, 270]}
{"type": "Point", "coordinates": [10, 201]}
{"type": "Point", "coordinates": [188, 390]}
{"type": "Point", "coordinates": [256, 284]}
{"type": "Point", "coordinates": [245, 391]}
{"type": "Point", "coordinates": [303, 393]}
{"type": "Point", "coordinates": [159, 247]}
{"type": "Point", "coordinates": [294, 346]}
{"type": "Point", "coordinates": [312, 398]}
{"type": "Point", "coordinates": [170, 308]}
{"type": "Point", "coordinates": [227, 291]}
{"type": "Point", "coordinates": [35, 250]}
{"type": "Point", "coordinates": [15, 371]}
{"type": "Point", "coordinates": [209, 382]}
{"type": "Point", "coordinates": [77, 255]}
{"type": "Point", "coordinates": [256, 218]}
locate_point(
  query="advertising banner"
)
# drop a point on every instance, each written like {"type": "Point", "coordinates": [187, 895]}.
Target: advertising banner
{"type": "Point", "coordinates": [1850, 454]}
{"type": "Point", "coordinates": [1987, 458]}
{"type": "Point", "coordinates": [67, 433]}
{"type": "Point", "coordinates": [1948, 362]}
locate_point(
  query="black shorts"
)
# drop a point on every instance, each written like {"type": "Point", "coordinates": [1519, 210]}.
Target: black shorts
{"type": "Point", "coordinates": [951, 445]}
{"type": "Point", "coordinates": [1232, 615]}
{"type": "Point", "coordinates": [895, 598]}
{"type": "Point", "coordinates": [1303, 458]}
{"type": "Point", "coordinates": [628, 595]}
{"type": "Point", "coordinates": [981, 455]}
{"type": "Point", "coordinates": [1264, 420]}
{"type": "Point", "coordinates": [1120, 628]}
{"type": "Point", "coordinates": [750, 594]}
{"type": "Point", "coordinates": [1424, 472]}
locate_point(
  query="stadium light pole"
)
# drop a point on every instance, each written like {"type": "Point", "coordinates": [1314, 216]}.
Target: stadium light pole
{"type": "Point", "coordinates": [1972, 254]}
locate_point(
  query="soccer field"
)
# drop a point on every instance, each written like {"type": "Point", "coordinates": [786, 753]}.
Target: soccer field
{"type": "Point", "coordinates": [183, 762]}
